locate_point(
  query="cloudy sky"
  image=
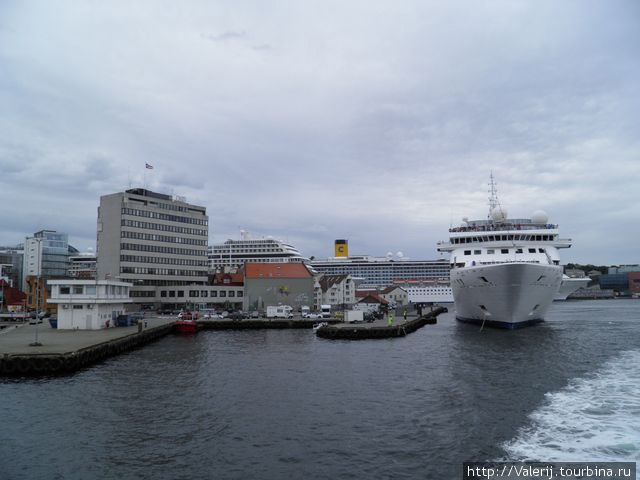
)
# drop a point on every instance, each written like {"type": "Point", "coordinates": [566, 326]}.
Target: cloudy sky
{"type": "Point", "coordinates": [309, 121]}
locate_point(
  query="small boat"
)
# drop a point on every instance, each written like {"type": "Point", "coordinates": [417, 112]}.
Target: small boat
{"type": "Point", "coordinates": [187, 323]}
{"type": "Point", "coordinates": [318, 326]}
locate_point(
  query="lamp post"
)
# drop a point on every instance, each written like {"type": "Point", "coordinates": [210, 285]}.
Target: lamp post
{"type": "Point", "coordinates": [36, 343]}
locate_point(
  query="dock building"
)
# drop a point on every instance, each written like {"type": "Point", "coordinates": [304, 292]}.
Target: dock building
{"type": "Point", "coordinates": [88, 304]}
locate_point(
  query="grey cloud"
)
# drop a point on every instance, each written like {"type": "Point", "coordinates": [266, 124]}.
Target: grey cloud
{"type": "Point", "coordinates": [343, 132]}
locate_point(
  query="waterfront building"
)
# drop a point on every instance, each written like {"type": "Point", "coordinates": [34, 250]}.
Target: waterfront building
{"type": "Point", "coordinates": [370, 302]}
{"type": "Point", "coordinates": [38, 294]}
{"type": "Point", "coordinates": [395, 295]}
{"type": "Point", "coordinates": [15, 257]}
{"type": "Point", "coordinates": [11, 298]}
{"type": "Point", "coordinates": [624, 269]}
{"type": "Point", "coordinates": [46, 255]}
{"type": "Point", "coordinates": [634, 283]}
{"type": "Point", "coordinates": [224, 291]}
{"type": "Point", "coordinates": [155, 241]}
{"type": "Point", "coordinates": [6, 270]}
{"type": "Point", "coordinates": [89, 304]}
{"type": "Point", "coordinates": [334, 290]}
{"type": "Point", "coordinates": [271, 284]}
{"type": "Point", "coordinates": [618, 282]}
{"type": "Point", "coordinates": [82, 265]}
{"type": "Point", "coordinates": [233, 254]}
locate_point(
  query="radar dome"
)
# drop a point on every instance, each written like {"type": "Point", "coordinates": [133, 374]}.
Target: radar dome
{"type": "Point", "coordinates": [499, 215]}
{"type": "Point", "coordinates": [399, 254]}
{"type": "Point", "coordinates": [389, 254]}
{"type": "Point", "coordinates": [539, 217]}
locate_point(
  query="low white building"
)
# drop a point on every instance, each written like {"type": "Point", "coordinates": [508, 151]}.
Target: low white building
{"type": "Point", "coordinates": [89, 304]}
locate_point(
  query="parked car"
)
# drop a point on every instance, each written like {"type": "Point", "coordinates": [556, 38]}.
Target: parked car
{"type": "Point", "coordinates": [255, 314]}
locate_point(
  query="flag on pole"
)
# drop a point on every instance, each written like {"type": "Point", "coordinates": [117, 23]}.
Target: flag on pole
{"type": "Point", "coordinates": [150, 167]}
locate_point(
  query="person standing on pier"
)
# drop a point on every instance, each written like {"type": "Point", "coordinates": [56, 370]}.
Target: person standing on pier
{"type": "Point", "coordinates": [390, 321]}
{"type": "Point", "coordinates": [404, 314]}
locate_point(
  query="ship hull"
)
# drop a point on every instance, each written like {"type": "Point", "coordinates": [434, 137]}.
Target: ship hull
{"type": "Point", "coordinates": [507, 295]}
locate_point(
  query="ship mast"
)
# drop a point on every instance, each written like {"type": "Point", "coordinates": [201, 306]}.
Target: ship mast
{"type": "Point", "coordinates": [494, 203]}
{"type": "Point", "coordinates": [493, 195]}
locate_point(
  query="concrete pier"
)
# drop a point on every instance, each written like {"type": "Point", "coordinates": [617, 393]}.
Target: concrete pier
{"type": "Point", "coordinates": [69, 350]}
{"type": "Point", "coordinates": [261, 323]}
{"type": "Point", "coordinates": [379, 328]}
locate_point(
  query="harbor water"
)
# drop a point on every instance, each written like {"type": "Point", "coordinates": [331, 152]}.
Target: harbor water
{"type": "Point", "coordinates": [279, 404]}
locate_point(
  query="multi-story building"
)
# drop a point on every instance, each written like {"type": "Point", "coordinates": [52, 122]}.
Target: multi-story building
{"type": "Point", "coordinates": [46, 255]}
{"type": "Point", "coordinates": [153, 241]}
{"type": "Point", "coordinates": [15, 257]}
{"type": "Point", "coordinates": [82, 265]}
{"type": "Point", "coordinates": [334, 290]}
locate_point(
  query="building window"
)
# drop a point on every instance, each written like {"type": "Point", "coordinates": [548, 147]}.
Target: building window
{"type": "Point", "coordinates": [477, 252]}
{"type": "Point", "coordinates": [239, 293]}
{"type": "Point", "coordinates": [90, 289]}
{"type": "Point", "coordinates": [504, 250]}
{"type": "Point", "coordinates": [204, 293]}
{"type": "Point", "coordinates": [491, 251]}
{"type": "Point", "coordinates": [232, 293]}
{"type": "Point", "coordinates": [180, 293]}
{"type": "Point", "coordinates": [77, 307]}
{"type": "Point", "coordinates": [63, 290]}
{"type": "Point", "coordinates": [532, 250]}
{"type": "Point", "coordinates": [223, 293]}
{"type": "Point", "coordinates": [467, 252]}
{"type": "Point", "coordinates": [518, 250]}
{"type": "Point", "coordinates": [163, 293]}
{"type": "Point", "coordinates": [172, 293]}
{"type": "Point", "coordinates": [214, 293]}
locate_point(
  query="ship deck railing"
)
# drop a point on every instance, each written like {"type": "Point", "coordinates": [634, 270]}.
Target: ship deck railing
{"type": "Point", "coordinates": [504, 227]}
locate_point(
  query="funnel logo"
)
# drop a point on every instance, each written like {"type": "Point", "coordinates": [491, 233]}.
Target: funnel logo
{"type": "Point", "coordinates": [341, 248]}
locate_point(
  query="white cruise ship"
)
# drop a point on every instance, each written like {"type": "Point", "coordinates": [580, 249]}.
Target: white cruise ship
{"type": "Point", "coordinates": [570, 285]}
{"type": "Point", "coordinates": [504, 272]}
{"type": "Point", "coordinates": [235, 253]}
{"type": "Point", "coordinates": [428, 291]}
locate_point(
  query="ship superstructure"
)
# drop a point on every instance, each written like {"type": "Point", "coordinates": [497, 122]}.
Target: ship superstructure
{"type": "Point", "coordinates": [235, 253]}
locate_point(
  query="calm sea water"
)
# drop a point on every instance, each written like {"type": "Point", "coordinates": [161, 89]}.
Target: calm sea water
{"type": "Point", "coordinates": [284, 404]}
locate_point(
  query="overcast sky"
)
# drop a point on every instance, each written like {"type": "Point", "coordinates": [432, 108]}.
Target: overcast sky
{"type": "Point", "coordinates": [378, 122]}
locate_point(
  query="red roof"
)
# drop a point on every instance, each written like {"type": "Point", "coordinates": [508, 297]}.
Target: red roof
{"type": "Point", "coordinates": [276, 270]}
{"type": "Point", "coordinates": [12, 295]}
{"type": "Point", "coordinates": [373, 298]}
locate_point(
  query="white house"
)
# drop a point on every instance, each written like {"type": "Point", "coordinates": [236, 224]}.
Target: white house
{"type": "Point", "coordinates": [334, 290]}
{"type": "Point", "coordinates": [89, 304]}
{"type": "Point", "coordinates": [395, 295]}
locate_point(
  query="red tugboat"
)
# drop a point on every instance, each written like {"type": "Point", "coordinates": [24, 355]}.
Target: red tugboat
{"type": "Point", "coordinates": [187, 322]}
